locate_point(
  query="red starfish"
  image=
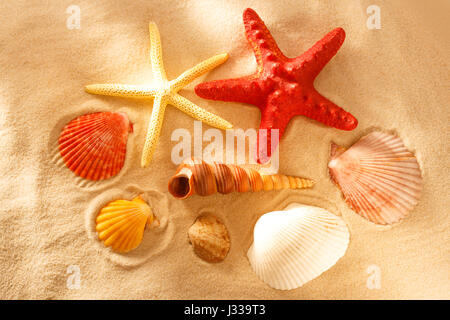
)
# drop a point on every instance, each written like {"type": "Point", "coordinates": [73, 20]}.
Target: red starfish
{"type": "Point", "coordinates": [282, 87]}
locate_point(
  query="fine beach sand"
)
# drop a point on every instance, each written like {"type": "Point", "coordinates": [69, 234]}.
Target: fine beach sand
{"type": "Point", "coordinates": [394, 79]}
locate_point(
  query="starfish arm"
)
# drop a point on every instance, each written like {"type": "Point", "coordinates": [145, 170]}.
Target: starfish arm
{"type": "Point", "coordinates": [315, 59]}
{"type": "Point", "coordinates": [268, 138]}
{"type": "Point", "coordinates": [245, 90]}
{"type": "Point", "coordinates": [188, 76]}
{"type": "Point", "coordinates": [121, 90]}
{"type": "Point", "coordinates": [323, 110]}
{"type": "Point", "coordinates": [156, 53]}
{"type": "Point", "coordinates": [264, 46]}
{"type": "Point", "coordinates": [154, 129]}
{"type": "Point", "coordinates": [198, 113]}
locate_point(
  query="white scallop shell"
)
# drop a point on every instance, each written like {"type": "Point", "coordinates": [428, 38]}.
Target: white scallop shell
{"type": "Point", "coordinates": [296, 245]}
{"type": "Point", "coordinates": [379, 178]}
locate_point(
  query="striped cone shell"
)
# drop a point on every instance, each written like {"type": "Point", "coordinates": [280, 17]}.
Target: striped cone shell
{"type": "Point", "coordinates": [198, 177]}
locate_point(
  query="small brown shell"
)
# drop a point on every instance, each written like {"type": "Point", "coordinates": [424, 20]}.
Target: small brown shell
{"type": "Point", "coordinates": [209, 238]}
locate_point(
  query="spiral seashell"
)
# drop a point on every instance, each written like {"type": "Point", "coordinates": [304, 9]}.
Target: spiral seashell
{"type": "Point", "coordinates": [380, 179]}
{"type": "Point", "coordinates": [198, 177]}
{"type": "Point", "coordinates": [121, 223]}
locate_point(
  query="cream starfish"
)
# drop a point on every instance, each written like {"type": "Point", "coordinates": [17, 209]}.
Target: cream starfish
{"type": "Point", "coordinates": [164, 92]}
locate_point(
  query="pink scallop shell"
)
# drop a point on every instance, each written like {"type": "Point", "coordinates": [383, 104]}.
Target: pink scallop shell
{"type": "Point", "coordinates": [380, 179]}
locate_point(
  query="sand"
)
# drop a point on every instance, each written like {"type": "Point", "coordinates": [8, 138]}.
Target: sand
{"type": "Point", "coordinates": [394, 79]}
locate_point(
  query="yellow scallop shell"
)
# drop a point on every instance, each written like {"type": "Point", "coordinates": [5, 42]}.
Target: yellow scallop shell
{"type": "Point", "coordinates": [121, 223]}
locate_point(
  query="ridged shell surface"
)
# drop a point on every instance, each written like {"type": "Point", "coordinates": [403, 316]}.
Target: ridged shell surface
{"type": "Point", "coordinates": [195, 176]}
{"type": "Point", "coordinates": [296, 245]}
{"type": "Point", "coordinates": [380, 179]}
{"type": "Point", "coordinates": [121, 223]}
{"type": "Point", "coordinates": [94, 145]}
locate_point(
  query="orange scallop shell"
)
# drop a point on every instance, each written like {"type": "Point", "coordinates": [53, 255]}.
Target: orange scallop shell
{"type": "Point", "coordinates": [94, 145]}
